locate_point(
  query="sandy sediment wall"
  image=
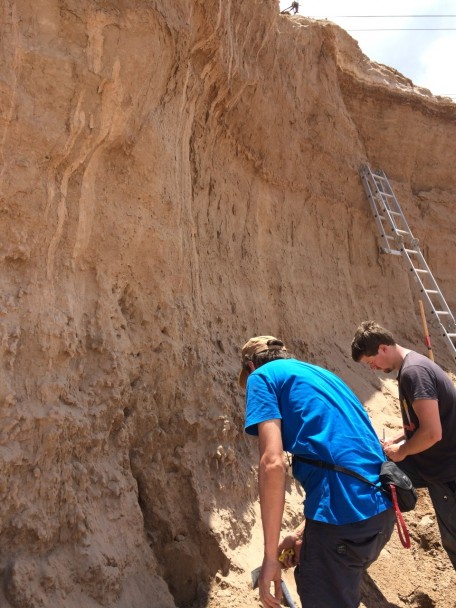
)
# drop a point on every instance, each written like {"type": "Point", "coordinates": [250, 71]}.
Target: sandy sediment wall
{"type": "Point", "coordinates": [176, 177]}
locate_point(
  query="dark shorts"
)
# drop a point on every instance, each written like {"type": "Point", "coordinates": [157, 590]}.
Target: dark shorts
{"type": "Point", "coordinates": [443, 497]}
{"type": "Point", "coordinates": [334, 558]}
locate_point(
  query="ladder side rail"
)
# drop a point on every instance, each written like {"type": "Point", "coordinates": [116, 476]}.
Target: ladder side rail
{"type": "Point", "coordinates": [387, 186]}
{"type": "Point", "coordinates": [437, 304]}
{"type": "Point", "coordinates": [402, 238]}
{"type": "Point", "coordinates": [448, 333]}
{"type": "Point", "coordinates": [393, 212]}
{"type": "Point", "coordinates": [385, 211]}
{"type": "Point", "coordinates": [373, 205]}
{"type": "Point", "coordinates": [405, 225]}
{"type": "Point", "coordinates": [451, 344]}
{"type": "Point", "coordinates": [395, 207]}
{"type": "Point", "coordinates": [433, 283]}
{"type": "Point", "coordinates": [369, 187]}
{"type": "Point", "coordinates": [449, 319]}
{"type": "Point", "coordinates": [396, 229]}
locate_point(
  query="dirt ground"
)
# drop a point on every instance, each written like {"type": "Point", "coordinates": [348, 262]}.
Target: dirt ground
{"type": "Point", "coordinates": [418, 577]}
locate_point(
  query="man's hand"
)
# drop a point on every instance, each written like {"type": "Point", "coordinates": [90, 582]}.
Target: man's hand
{"type": "Point", "coordinates": [394, 452]}
{"type": "Point", "coordinates": [398, 437]}
{"type": "Point", "coordinates": [293, 542]}
{"type": "Point", "coordinates": [427, 434]}
{"type": "Point", "coordinates": [271, 572]}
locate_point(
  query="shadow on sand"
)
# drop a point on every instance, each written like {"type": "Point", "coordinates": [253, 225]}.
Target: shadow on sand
{"type": "Point", "coordinates": [371, 596]}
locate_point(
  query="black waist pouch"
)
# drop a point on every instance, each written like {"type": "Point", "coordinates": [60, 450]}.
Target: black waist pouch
{"type": "Point", "coordinates": [406, 494]}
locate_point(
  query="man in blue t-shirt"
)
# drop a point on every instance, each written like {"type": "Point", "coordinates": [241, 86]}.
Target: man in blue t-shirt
{"type": "Point", "coordinates": [308, 411]}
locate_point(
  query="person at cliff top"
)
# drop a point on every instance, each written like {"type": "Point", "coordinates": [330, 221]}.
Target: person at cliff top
{"type": "Point", "coordinates": [426, 447]}
{"type": "Point", "coordinates": [306, 410]}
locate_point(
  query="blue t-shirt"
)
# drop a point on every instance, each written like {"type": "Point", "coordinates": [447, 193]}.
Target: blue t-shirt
{"type": "Point", "coordinates": [321, 419]}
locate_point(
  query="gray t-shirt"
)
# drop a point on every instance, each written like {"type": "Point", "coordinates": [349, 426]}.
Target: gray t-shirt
{"type": "Point", "coordinates": [421, 378]}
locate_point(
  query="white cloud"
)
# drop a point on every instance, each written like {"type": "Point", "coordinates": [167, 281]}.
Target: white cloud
{"type": "Point", "coordinates": [418, 47]}
{"type": "Point", "coordinates": [435, 61]}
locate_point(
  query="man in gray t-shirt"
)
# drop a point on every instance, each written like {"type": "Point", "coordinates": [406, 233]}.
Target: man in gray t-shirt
{"type": "Point", "coordinates": [426, 448]}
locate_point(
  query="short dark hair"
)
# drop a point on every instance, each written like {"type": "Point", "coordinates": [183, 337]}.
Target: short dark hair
{"type": "Point", "coordinates": [368, 337]}
{"type": "Point", "coordinates": [271, 354]}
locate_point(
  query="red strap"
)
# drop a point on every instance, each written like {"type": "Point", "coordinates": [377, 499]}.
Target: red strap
{"type": "Point", "coordinates": [401, 527]}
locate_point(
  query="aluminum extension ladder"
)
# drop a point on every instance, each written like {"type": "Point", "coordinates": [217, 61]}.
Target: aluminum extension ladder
{"type": "Point", "coordinates": [397, 239]}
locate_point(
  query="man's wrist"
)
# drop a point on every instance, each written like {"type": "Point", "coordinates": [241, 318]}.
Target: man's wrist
{"type": "Point", "coordinates": [298, 532]}
{"type": "Point", "coordinates": [402, 451]}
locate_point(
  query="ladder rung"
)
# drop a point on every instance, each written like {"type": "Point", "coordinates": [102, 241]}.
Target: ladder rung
{"type": "Point", "coordinates": [451, 335]}
{"type": "Point", "coordinates": [391, 251]}
{"type": "Point", "coordinates": [422, 270]}
{"type": "Point", "coordinates": [431, 291]}
{"type": "Point", "coordinates": [411, 251]}
{"type": "Point", "coordinates": [401, 231]}
{"type": "Point", "coordinates": [396, 213]}
{"type": "Point", "coordinates": [441, 312]}
{"type": "Point", "coordinates": [384, 193]}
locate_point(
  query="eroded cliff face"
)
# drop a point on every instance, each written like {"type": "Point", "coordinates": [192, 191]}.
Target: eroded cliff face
{"type": "Point", "coordinates": [177, 177]}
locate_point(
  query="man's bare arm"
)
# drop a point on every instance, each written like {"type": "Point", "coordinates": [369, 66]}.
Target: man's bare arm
{"type": "Point", "coordinates": [428, 433]}
{"type": "Point", "coordinates": [271, 477]}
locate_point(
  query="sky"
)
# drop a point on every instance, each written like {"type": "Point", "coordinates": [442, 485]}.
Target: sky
{"type": "Point", "coordinates": [416, 37]}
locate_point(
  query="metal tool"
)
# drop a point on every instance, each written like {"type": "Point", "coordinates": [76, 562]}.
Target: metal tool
{"type": "Point", "coordinates": [286, 594]}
